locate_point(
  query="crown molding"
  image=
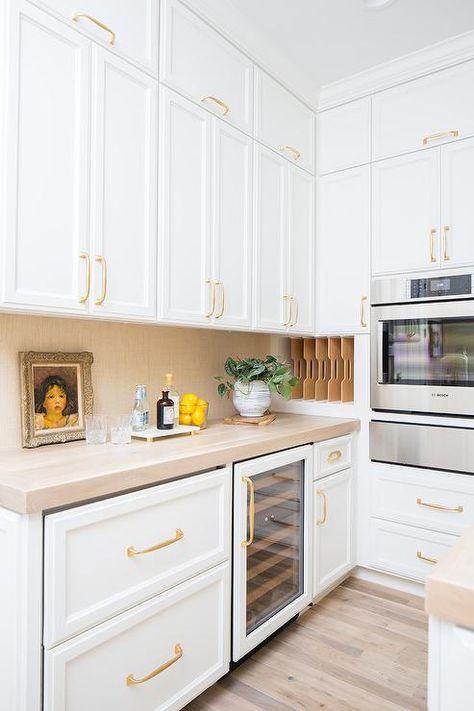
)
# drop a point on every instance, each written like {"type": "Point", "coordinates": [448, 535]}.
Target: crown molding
{"type": "Point", "coordinates": [411, 66]}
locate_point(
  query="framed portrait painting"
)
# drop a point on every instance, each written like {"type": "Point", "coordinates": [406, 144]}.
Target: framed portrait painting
{"type": "Point", "coordinates": [56, 395]}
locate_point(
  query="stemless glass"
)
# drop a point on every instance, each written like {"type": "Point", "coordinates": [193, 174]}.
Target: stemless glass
{"type": "Point", "coordinates": [121, 429]}
{"type": "Point", "coordinates": [96, 429]}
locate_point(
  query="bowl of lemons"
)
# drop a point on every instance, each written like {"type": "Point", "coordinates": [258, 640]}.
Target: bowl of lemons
{"type": "Point", "coordinates": [193, 410]}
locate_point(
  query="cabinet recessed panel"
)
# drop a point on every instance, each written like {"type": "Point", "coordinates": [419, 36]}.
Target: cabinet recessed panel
{"type": "Point", "coordinates": [457, 214]}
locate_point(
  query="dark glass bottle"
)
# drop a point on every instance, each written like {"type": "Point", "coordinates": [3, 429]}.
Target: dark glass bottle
{"type": "Point", "coordinates": [165, 412]}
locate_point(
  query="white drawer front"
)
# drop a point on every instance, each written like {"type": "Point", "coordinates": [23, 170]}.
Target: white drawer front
{"type": "Point", "coordinates": [90, 672]}
{"type": "Point", "coordinates": [404, 550]}
{"type": "Point", "coordinates": [436, 500]}
{"type": "Point", "coordinates": [202, 65]}
{"type": "Point", "coordinates": [282, 122]}
{"type": "Point", "coordinates": [331, 456]}
{"type": "Point", "coordinates": [89, 574]}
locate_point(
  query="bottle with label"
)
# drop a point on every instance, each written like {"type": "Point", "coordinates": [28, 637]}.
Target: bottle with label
{"type": "Point", "coordinates": [173, 394]}
{"type": "Point", "coordinates": [165, 412]}
{"type": "Point", "coordinates": [141, 413]}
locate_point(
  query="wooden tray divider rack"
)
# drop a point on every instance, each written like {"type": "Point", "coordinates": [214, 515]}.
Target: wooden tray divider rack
{"type": "Point", "coordinates": [325, 367]}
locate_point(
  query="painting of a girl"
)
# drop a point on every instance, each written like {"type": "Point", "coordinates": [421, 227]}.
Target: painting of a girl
{"type": "Point", "coordinates": [55, 404]}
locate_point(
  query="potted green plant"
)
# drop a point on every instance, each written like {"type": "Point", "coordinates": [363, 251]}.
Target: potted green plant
{"type": "Point", "coordinates": [252, 380]}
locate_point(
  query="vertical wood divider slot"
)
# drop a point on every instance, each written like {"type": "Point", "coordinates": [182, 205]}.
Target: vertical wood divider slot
{"type": "Point", "coordinates": [309, 381]}
{"type": "Point", "coordinates": [334, 352]}
{"type": "Point", "coordinates": [347, 353]}
{"type": "Point", "coordinates": [321, 389]}
{"type": "Point", "coordinates": [299, 366]}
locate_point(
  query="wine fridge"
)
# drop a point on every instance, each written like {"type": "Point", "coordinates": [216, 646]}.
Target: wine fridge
{"type": "Point", "coordinates": [272, 529]}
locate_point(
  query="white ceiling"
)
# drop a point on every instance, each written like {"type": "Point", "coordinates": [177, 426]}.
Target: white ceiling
{"type": "Point", "coordinates": [310, 43]}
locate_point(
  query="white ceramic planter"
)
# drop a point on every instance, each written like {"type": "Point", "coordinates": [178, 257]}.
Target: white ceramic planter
{"type": "Point", "coordinates": [251, 399]}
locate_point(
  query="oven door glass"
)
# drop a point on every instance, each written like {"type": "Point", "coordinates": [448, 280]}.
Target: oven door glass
{"type": "Point", "coordinates": [427, 351]}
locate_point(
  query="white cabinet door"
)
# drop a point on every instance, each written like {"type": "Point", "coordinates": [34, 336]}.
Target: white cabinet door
{"type": "Point", "coordinates": [343, 252]}
{"type": "Point", "coordinates": [124, 199]}
{"type": "Point", "coordinates": [437, 107]}
{"type": "Point", "coordinates": [232, 224]}
{"type": "Point", "coordinates": [272, 308]}
{"type": "Point", "coordinates": [198, 62]}
{"type": "Point", "coordinates": [406, 215]}
{"type": "Point", "coordinates": [185, 192]}
{"type": "Point", "coordinates": [47, 165]}
{"type": "Point", "coordinates": [282, 122]}
{"type": "Point", "coordinates": [133, 27]}
{"type": "Point", "coordinates": [344, 136]}
{"type": "Point", "coordinates": [301, 239]}
{"type": "Point", "coordinates": [333, 530]}
{"type": "Point", "coordinates": [450, 665]}
{"type": "Point", "coordinates": [457, 215]}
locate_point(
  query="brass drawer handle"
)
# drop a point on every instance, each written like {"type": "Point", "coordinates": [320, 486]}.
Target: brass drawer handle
{"type": "Point", "coordinates": [432, 236]}
{"type": "Point", "coordinates": [440, 507]}
{"type": "Point", "coordinates": [79, 15]}
{"type": "Point", "coordinates": [219, 102]}
{"type": "Point", "coordinates": [132, 552]}
{"type": "Point", "coordinates": [334, 456]}
{"type": "Point", "coordinates": [84, 297]}
{"type": "Point", "coordinates": [101, 260]}
{"type": "Point", "coordinates": [295, 317]}
{"type": "Point", "coordinates": [288, 298]}
{"type": "Point", "coordinates": [446, 256]}
{"type": "Point", "coordinates": [420, 556]}
{"type": "Point", "coordinates": [437, 136]}
{"type": "Point", "coordinates": [178, 653]}
{"type": "Point", "coordinates": [213, 298]}
{"type": "Point", "coordinates": [290, 149]}
{"type": "Point", "coordinates": [363, 322]}
{"type": "Point", "coordinates": [222, 309]}
{"type": "Point", "coordinates": [251, 488]}
{"type": "Point", "coordinates": [325, 507]}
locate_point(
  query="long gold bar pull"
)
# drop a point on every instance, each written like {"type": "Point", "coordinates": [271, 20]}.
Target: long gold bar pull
{"type": "Point", "coordinates": [363, 322]}
{"type": "Point", "coordinates": [440, 507]}
{"type": "Point", "coordinates": [132, 552]}
{"type": "Point", "coordinates": [84, 297]}
{"type": "Point", "coordinates": [101, 260]}
{"type": "Point", "coordinates": [213, 298]}
{"type": "Point", "coordinates": [433, 231]}
{"type": "Point", "coordinates": [79, 16]}
{"type": "Point", "coordinates": [219, 102]}
{"type": "Point", "coordinates": [221, 286]}
{"type": "Point", "coordinates": [446, 256]}
{"type": "Point", "coordinates": [251, 488]}
{"type": "Point", "coordinates": [287, 298]}
{"type": "Point", "coordinates": [438, 136]}
{"type": "Point", "coordinates": [178, 653]}
{"type": "Point", "coordinates": [420, 556]}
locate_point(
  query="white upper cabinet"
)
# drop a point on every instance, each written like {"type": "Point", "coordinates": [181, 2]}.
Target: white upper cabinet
{"type": "Point", "coordinates": [282, 122]}
{"type": "Point", "coordinates": [457, 214]}
{"type": "Point", "coordinates": [343, 136]}
{"type": "Point", "coordinates": [123, 195]}
{"type": "Point", "coordinates": [406, 213]}
{"type": "Point", "coordinates": [185, 211]}
{"type": "Point", "coordinates": [202, 65]}
{"type": "Point", "coordinates": [343, 252]}
{"type": "Point", "coordinates": [284, 245]}
{"type": "Point", "coordinates": [424, 112]}
{"type": "Point", "coordinates": [231, 225]}
{"type": "Point", "coordinates": [128, 28]}
{"type": "Point", "coordinates": [47, 165]}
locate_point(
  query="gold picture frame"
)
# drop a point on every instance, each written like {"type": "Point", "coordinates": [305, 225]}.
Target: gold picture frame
{"type": "Point", "coordinates": [56, 396]}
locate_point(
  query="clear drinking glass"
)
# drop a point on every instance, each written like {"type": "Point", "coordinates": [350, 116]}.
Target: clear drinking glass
{"type": "Point", "coordinates": [96, 429]}
{"type": "Point", "coordinates": [121, 429]}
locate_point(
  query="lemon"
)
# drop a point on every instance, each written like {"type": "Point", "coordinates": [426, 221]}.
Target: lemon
{"type": "Point", "coordinates": [199, 416]}
{"type": "Point", "coordinates": [186, 408]}
{"type": "Point", "coordinates": [189, 399]}
{"type": "Point", "coordinates": [185, 419]}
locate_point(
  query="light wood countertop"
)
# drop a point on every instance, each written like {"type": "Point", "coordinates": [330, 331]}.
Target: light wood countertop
{"type": "Point", "coordinates": [34, 480]}
{"type": "Point", "coordinates": [450, 587]}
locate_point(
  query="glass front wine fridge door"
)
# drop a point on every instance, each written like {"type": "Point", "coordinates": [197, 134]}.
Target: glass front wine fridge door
{"type": "Point", "coordinates": [271, 539]}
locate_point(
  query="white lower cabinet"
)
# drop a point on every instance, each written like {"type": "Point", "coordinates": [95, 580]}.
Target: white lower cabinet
{"type": "Point", "coordinates": [333, 530]}
{"type": "Point", "coordinates": [450, 665]}
{"type": "Point", "coordinates": [157, 656]}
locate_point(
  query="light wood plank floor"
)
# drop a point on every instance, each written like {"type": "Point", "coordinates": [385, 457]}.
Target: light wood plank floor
{"type": "Point", "coordinates": [363, 647]}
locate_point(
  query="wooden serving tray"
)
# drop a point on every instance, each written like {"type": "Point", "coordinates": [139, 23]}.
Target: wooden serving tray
{"type": "Point", "coordinates": [239, 420]}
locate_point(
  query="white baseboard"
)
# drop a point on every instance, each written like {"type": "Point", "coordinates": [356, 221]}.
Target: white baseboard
{"type": "Point", "coordinates": [389, 580]}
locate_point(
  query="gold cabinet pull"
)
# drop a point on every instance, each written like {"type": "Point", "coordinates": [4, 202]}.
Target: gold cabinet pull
{"type": "Point", "coordinates": [446, 256]}
{"type": "Point", "coordinates": [213, 298]}
{"type": "Point", "coordinates": [222, 309]}
{"type": "Point", "coordinates": [251, 488]}
{"type": "Point", "coordinates": [289, 149]}
{"type": "Point", "coordinates": [295, 318]}
{"type": "Point", "coordinates": [287, 298]}
{"type": "Point", "coordinates": [420, 556]}
{"type": "Point", "coordinates": [101, 260]}
{"type": "Point", "coordinates": [438, 136]}
{"type": "Point", "coordinates": [132, 552]}
{"type": "Point", "coordinates": [363, 322]}
{"type": "Point", "coordinates": [84, 297]}
{"type": "Point", "coordinates": [322, 494]}
{"type": "Point", "coordinates": [440, 507]}
{"type": "Point", "coordinates": [334, 456]}
{"type": "Point", "coordinates": [178, 653]}
{"type": "Point", "coordinates": [433, 232]}
{"type": "Point", "coordinates": [79, 16]}
{"type": "Point", "coordinates": [219, 102]}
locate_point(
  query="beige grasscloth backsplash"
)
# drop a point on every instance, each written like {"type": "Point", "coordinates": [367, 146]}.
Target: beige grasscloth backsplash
{"type": "Point", "coordinates": [124, 355]}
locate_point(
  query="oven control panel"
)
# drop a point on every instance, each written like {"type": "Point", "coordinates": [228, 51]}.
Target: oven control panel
{"type": "Point", "coordinates": [434, 287]}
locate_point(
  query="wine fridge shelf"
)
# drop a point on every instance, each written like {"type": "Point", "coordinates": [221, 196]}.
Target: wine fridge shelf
{"type": "Point", "coordinates": [325, 368]}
